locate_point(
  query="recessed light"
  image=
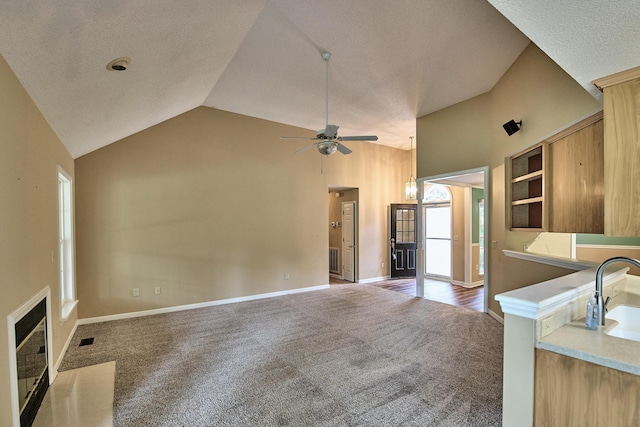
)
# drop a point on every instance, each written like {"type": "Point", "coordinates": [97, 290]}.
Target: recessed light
{"type": "Point", "coordinates": [119, 64]}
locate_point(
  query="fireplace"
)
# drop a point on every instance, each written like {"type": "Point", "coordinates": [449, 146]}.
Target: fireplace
{"type": "Point", "coordinates": [31, 362]}
{"type": "Point", "coordinates": [29, 329]}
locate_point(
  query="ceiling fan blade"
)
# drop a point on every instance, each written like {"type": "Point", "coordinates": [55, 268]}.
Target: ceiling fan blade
{"type": "Point", "coordinates": [303, 149]}
{"type": "Point", "coordinates": [358, 138]}
{"type": "Point", "coordinates": [297, 137]}
{"type": "Point", "coordinates": [343, 149]}
{"type": "Point", "coordinates": [331, 131]}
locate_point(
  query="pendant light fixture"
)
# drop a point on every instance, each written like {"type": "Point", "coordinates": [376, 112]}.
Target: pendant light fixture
{"type": "Point", "coordinates": [410, 186]}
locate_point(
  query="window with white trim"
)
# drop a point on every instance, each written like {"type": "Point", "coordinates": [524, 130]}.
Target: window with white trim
{"type": "Point", "coordinates": [65, 244]}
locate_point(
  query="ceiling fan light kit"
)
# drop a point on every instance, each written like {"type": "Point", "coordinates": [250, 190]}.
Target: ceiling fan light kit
{"type": "Point", "coordinates": [327, 140]}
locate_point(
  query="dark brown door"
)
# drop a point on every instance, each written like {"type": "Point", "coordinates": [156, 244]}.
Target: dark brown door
{"type": "Point", "coordinates": [403, 240]}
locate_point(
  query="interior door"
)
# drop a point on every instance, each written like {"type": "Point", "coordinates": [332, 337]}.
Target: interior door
{"type": "Point", "coordinates": [402, 240]}
{"type": "Point", "coordinates": [348, 241]}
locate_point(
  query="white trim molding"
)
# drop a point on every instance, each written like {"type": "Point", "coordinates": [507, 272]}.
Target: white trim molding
{"type": "Point", "coordinates": [12, 319]}
{"type": "Point", "coordinates": [616, 247]}
{"type": "Point", "coordinates": [541, 299]}
{"type": "Point", "coordinates": [496, 316]}
{"type": "Point", "coordinates": [133, 314]}
{"type": "Point", "coordinates": [373, 279]}
{"type": "Point", "coordinates": [568, 263]}
{"type": "Point", "coordinates": [65, 347]}
{"type": "Point", "coordinates": [468, 285]}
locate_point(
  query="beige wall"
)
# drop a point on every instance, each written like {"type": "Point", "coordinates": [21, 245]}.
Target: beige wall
{"type": "Point", "coordinates": [212, 205]}
{"type": "Point", "coordinates": [459, 240]}
{"type": "Point", "coordinates": [599, 254]}
{"type": "Point", "coordinates": [29, 155]}
{"type": "Point", "coordinates": [475, 261]}
{"type": "Point", "coordinates": [470, 135]}
{"type": "Point", "coordinates": [336, 199]}
{"type": "Point", "coordinates": [455, 138]}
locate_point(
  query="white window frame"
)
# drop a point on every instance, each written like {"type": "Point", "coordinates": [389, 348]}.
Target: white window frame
{"type": "Point", "coordinates": [66, 265]}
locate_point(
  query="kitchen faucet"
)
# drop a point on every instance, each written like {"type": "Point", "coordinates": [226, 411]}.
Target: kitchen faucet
{"type": "Point", "coordinates": [602, 304]}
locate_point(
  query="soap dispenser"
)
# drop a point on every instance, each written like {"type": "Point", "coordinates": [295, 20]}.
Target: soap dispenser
{"type": "Point", "coordinates": [592, 321]}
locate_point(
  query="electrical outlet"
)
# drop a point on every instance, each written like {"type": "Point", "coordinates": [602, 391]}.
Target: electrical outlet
{"type": "Point", "coordinates": [382, 264]}
{"type": "Point", "coordinates": [614, 289]}
{"type": "Point", "coordinates": [546, 326]}
{"type": "Point", "coordinates": [136, 292]}
{"type": "Point", "coordinates": [157, 290]}
{"type": "Point", "coordinates": [286, 276]}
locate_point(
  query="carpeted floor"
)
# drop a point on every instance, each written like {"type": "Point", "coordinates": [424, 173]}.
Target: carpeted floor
{"type": "Point", "coordinates": [351, 355]}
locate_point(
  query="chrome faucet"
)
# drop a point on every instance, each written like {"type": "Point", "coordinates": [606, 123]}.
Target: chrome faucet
{"type": "Point", "coordinates": [602, 304]}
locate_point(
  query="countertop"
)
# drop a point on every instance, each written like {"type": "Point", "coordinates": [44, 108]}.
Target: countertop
{"type": "Point", "coordinates": [574, 340]}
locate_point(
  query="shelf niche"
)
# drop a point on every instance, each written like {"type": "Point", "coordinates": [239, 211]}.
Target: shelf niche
{"type": "Point", "coordinates": [527, 189]}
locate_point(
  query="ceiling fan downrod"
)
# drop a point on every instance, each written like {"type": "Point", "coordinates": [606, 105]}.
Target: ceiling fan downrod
{"type": "Point", "coordinates": [326, 56]}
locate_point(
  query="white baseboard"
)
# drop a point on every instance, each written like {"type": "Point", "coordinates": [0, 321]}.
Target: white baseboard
{"type": "Point", "coordinates": [373, 279]}
{"type": "Point", "coordinates": [65, 347]}
{"type": "Point", "coordinates": [336, 276]}
{"type": "Point", "coordinates": [496, 316]}
{"type": "Point", "coordinates": [467, 285]}
{"type": "Point", "coordinates": [197, 305]}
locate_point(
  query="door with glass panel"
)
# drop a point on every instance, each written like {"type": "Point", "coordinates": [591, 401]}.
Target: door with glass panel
{"type": "Point", "coordinates": [402, 242]}
{"type": "Point", "coordinates": [437, 226]}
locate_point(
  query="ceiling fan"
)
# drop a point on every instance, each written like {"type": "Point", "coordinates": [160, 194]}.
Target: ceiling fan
{"type": "Point", "coordinates": [327, 140]}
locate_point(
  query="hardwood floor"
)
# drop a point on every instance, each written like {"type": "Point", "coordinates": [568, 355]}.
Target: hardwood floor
{"type": "Point", "coordinates": [434, 290]}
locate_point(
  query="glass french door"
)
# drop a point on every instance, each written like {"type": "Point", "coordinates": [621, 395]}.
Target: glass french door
{"type": "Point", "coordinates": [437, 227]}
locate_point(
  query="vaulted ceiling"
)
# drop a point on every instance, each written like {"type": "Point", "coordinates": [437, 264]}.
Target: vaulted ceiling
{"type": "Point", "coordinates": [392, 61]}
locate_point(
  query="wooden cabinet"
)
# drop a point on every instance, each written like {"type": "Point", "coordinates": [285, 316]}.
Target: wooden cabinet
{"type": "Point", "coordinates": [527, 189]}
{"type": "Point", "coordinates": [575, 177]}
{"type": "Point", "coordinates": [571, 392]}
{"type": "Point", "coordinates": [558, 185]}
{"type": "Point", "coordinates": [622, 152]}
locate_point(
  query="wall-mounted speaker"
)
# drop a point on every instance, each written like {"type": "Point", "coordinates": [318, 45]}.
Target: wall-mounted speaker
{"type": "Point", "coordinates": [512, 127]}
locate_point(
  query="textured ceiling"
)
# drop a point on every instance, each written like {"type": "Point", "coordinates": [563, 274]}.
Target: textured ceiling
{"type": "Point", "coordinates": [390, 64]}
{"type": "Point", "coordinates": [392, 61]}
{"type": "Point", "coordinates": [589, 39]}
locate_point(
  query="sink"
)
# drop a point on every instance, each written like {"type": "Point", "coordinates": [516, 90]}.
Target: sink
{"type": "Point", "coordinates": [628, 318]}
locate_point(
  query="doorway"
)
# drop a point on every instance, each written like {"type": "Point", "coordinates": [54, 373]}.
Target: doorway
{"type": "Point", "coordinates": [343, 233]}
{"type": "Point", "coordinates": [437, 230]}
{"type": "Point", "coordinates": [470, 226]}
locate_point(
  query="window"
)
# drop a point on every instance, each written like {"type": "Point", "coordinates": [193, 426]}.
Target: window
{"type": "Point", "coordinates": [65, 244]}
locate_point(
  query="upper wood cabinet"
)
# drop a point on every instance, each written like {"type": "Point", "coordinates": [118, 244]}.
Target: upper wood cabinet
{"type": "Point", "coordinates": [576, 178]}
{"type": "Point", "coordinates": [558, 185]}
{"type": "Point", "coordinates": [622, 152]}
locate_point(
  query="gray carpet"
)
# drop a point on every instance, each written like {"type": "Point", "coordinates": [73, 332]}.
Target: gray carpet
{"type": "Point", "coordinates": [347, 356]}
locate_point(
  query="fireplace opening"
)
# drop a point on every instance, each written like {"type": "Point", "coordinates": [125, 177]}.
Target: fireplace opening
{"type": "Point", "coordinates": [31, 362]}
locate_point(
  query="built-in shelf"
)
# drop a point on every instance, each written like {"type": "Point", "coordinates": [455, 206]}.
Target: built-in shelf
{"type": "Point", "coordinates": [528, 177]}
{"type": "Point", "coordinates": [527, 201]}
{"type": "Point", "coordinates": [527, 190]}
